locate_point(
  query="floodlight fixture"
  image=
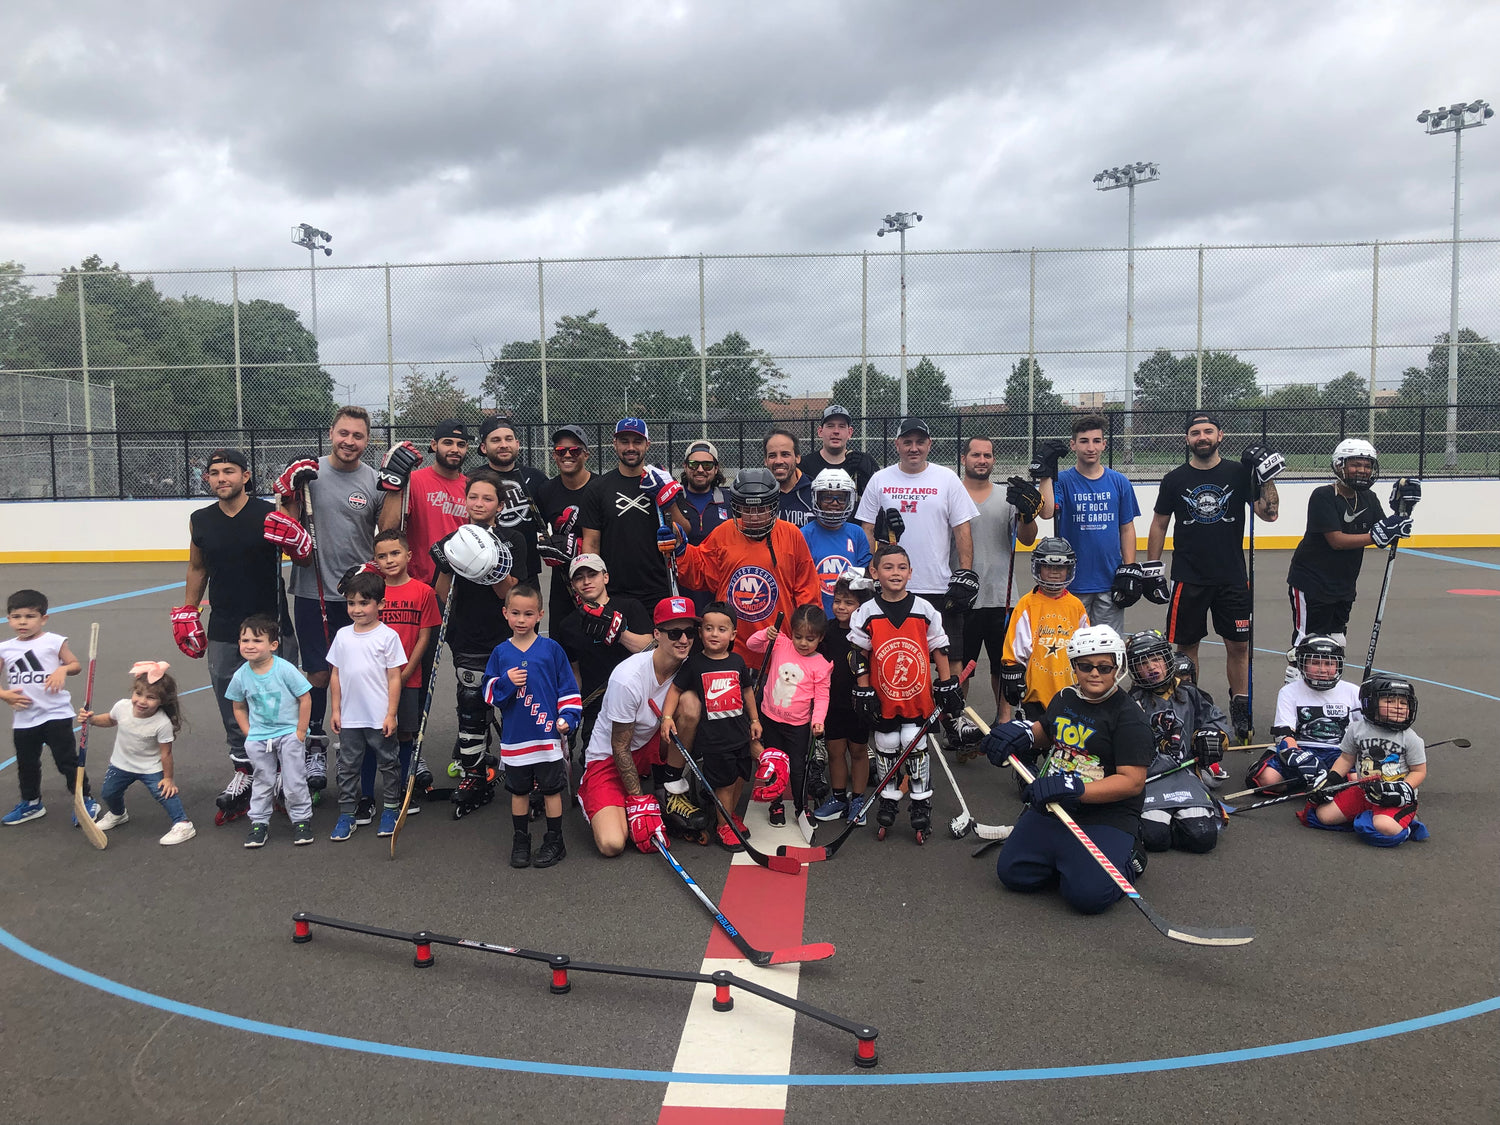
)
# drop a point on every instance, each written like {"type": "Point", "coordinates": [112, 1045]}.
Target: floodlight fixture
{"type": "Point", "coordinates": [899, 222]}
{"type": "Point", "coordinates": [312, 239]}
{"type": "Point", "coordinates": [1128, 176]}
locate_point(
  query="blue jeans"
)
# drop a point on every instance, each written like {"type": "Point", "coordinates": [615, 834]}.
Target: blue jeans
{"type": "Point", "coordinates": [116, 781]}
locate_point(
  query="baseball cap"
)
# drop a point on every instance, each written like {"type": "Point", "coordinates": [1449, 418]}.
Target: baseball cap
{"type": "Point", "coordinates": [229, 457]}
{"type": "Point", "coordinates": [586, 562]}
{"type": "Point", "coordinates": [633, 426]}
{"type": "Point", "coordinates": [1202, 416]}
{"type": "Point", "coordinates": [834, 410]}
{"type": "Point", "coordinates": [493, 423]}
{"type": "Point", "coordinates": [702, 445]}
{"type": "Point", "coordinates": [674, 609]}
{"type": "Point", "coordinates": [912, 426]}
{"type": "Point", "coordinates": [451, 428]}
{"type": "Point", "coordinates": [574, 432]}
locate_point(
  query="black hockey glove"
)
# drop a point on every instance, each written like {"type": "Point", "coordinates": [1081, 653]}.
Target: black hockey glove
{"type": "Point", "coordinates": [866, 704]}
{"type": "Point", "coordinates": [1306, 765]}
{"type": "Point", "coordinates": [1125, 591]}
{"type": "Point", "coordinates": [963, 589]}
{"type": "Point", "coordinates": [1264, 465]}
{"type": "Point", "coordinates": [1044, 461]}
{"type": "Point", "coordinates": [949, 696]}
{"type": "Point", "coordinates": [439, 556]}
{"type": "Point", "coordinates": [600, 623]}
{"type": "Point", "coordinates": [1014, 737]}
{"type": "Point", "coordinates": [1066, 789]}
{"type": "Point", "coordinates": [1391, 794]}
{"type": "Point", "coordinates": [1405, 493]}
{"type": "Point", "coordinates": [1208, 746]}
{"type": "Point", "coordinates": [1024, 497]}
{"type": "Point", "coordinates": [1388, 530]}
{"type": "Point", "coordinates": [396, 466]}
{"type": "Point", "coordinates": [1012, 683]}
{"type": "Point", "coordinates": [1154, 579]}
{"type": "Point", "coordinates": [889, 526]}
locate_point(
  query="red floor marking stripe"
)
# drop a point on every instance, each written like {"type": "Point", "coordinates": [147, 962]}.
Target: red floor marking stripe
{"type": "Point", "coordinates": [720, 1115]}
{"type": "Point", "coordinates": [769, 906]}
{"type": "Point", "coordinates": [1478, 593]}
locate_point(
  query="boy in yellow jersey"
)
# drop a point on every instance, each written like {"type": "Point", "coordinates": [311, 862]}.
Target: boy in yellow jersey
{"type": "Point", "coordinates": [1034, 661]}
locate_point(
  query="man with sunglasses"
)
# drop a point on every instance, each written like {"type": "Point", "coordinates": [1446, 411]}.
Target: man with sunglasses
{"type": "Point", "coordinates": [560, 500]}
{"type": "Point", "coordinates": [1098, 747]}
{"type": "Point", "coordinates": [703, 502]}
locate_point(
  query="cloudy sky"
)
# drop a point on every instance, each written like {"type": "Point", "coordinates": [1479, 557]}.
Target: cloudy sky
{"type": "Point", "coordinates": [169, 135]}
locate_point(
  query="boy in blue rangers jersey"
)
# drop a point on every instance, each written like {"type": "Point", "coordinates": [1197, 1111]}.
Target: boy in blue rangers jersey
{"type": "Point", "coordinates": [834, 545]}
{"type": "Point", "coordinates": [529, 681]}
{"type": "Point", "coordinates": [1312, 715]}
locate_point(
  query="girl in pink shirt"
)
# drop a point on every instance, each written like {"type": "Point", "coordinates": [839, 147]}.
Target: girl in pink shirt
{"type": "Point", "coordinates": [794, 699]}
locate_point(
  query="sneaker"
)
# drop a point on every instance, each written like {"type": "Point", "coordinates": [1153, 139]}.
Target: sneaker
{"type": "Point", "coordinates": [424, 774]}
{"type": "Point", "coordinates": [777, 814]}
{"type": "Point", "coordinates": [832, 809]}
{"type": "Point", "coordinates": [302, 833]}
{"type": "Point", "coordinates": [257, 837]}
{"type": "Point", "coordinates": [344, 828]}
{"type": "Point", "coordinates": [24, 811]}
{"type": "Point", "coordinates": [365, 813]}
{"type": "Point", "coordinates": [520, 850]}
{"type": "Point", "coordinates": [110, 820]}
{"type": "Point", "coordinates": [317, 762]}
{"type": "Point", "coordinates": [552, 850]}
{"type": "Point", "coordinates": [181, 831]}
{"type": "Point", "coordinates": [741, 825]}
{"type": "Point", "coordinates": [856, 810]}
{"type": "Point", "coordinates": [413, 809]}
{"type": "Point", "coordinates": [387, 822]}
{"type": "Point", "coordinates": [91, 807]}
{"type": "Point", "coordinates": [728, 841]}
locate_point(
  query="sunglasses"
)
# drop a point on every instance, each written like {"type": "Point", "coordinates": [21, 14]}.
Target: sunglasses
{"type": "Point", "coordinates": [568, 451]}
{"type": "Point", "coordinates": [1087, 666]}
{"type": "Point", "coordinates": [703, 466]}
{"type": "Point", "coordinates": [678, 634]}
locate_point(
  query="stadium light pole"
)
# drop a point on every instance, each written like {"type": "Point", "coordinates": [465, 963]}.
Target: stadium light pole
{"type": "Point", "coordinates": [1128, 176]}
{"type": "Point", "coordinates": [1454, 119]}
{"type": "Point", "coordinates": [314, 239]}
{"type": "Point", "coordinates": [901, 222]}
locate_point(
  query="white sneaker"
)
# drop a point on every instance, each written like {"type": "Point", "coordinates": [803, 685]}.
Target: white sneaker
{"type": "Point", "coordinates": [110, 820]}
{"type": "Point", "coordinates": [181, 831]}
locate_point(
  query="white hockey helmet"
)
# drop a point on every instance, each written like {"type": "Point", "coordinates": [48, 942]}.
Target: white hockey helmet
{"type": "Point", "coordinates": [478, 554]}
{"type": "Point", "coordinates": [837, 486]}
{"type": "Point", "coordinates": [1095, 639]}
{"type": "Point", "coordinates": [1355, 449]}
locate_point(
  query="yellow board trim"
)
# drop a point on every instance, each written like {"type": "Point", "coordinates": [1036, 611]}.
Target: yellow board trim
{"type": "Point", "coordinates": [148, 555]}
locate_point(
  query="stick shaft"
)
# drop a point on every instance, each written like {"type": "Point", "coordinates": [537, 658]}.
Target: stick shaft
{"type": "Point", "coordinates": [416, 751]}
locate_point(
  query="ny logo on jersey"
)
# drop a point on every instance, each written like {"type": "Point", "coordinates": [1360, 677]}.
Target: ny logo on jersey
{"type": "Point", "coordinates": [640, 502]}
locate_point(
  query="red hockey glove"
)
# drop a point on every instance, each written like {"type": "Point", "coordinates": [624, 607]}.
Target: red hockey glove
{"type": "Point", "coordinates": [187, 631]}
{"type": "Point", "coordinates": [396, 467]}
{"type": "Point", "coordinates": [660, 485]}
{"type": "Point", "coordinates": [600, 623]}
{"type": "Point", "coordinates": [289, 535]}
{"type": "Point", "coordinates": [357, 568]}
{"type": "Point", "coordinates": [771, 777]}
{"type": "Point", "coordinates": [295, 475]}
{"type": "Point", "coordinates": [644, 816]}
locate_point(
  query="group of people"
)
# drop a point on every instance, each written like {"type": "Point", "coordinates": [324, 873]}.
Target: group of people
{"type": "Point", "coordinates": [748, 631]}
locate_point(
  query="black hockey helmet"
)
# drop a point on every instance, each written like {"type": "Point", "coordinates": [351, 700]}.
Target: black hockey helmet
{"type": "Point", "coordinates": [1186, 670]}
{"type": "Point", "coordinates": [1142, 647]}
{"type": "Point", "coordinates": [1383, 686]}
{"type": "Point", "coordinates": [1322, 648]}
{"type": "Point", "coordinates": [755, 500]}
{"type": "Point", "coordinates": [1053, 551]}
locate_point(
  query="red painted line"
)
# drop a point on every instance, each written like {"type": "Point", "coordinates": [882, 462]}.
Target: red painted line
{"type": "Point", "coordinates": [767, 904]}
{"type": "Point", "coordinates": [718, 1115]}
{"type": "Point", "coordinates": [1477, 593]}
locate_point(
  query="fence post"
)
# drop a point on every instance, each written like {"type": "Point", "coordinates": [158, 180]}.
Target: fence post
{"type": "Point", "coordinates": [1031, 361]}
{"type": "Point", "coordinates": [390, 362]}
{"type": "Point", "coordinates": [1198, 378]}
{"type": "Point", "coordinates": [119, 460]}
{"type": "Point", "coordinates": [52, 460]}
{"type": "Point", "coordinates": [239, 390]}
{"type": "Point", "coordinates": [1422, 442]}
{"type": "Point", "coordinates": [1374, 329]}
{"type": "Point", "coordinates": [864, 351]}
{"type": "Point", "coordinates": [88, 407]}
{"type": "Point", "coordinates": [702, 349]}
{"type": "Point", "coordinates": [541, 314]}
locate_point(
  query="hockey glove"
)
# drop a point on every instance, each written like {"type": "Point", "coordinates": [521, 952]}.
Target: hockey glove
{"type": "Point", "coordinates": [1064, 788]}
{"type": "Point", "coordinates": [1391, 794]}
{"type": "Point", "coordinates": [643, 815]}
{"type": "Point", "coordinates": [963, 589]}
{"type": "Point", "coordinates": [1024, 497]}
{"type": "Point", "coordinates": [600, 623]}
{"type": "Point", "coordinates": [439, 556]}
{"type": "Point", "coordinates": [889, 526]}
{"type": "Point", "coordinates": [1388, 530]}
{"type": "Point", "coordinates": [1044, 460]}
{"type": "Point", "coordinates": [357, 568]}
{"type": "Point", "coordinates": [1012, 683]}
{"type": "Point", "coordinates": [1305, 764]}
{"type": "Point", "coordinates": [396, 466]}
{"type": "Point", "coordinates": [1014, 737]}
{"type": "Point", "coordinates": [660, 484]}
{"type": "Point", "coordinates": [1154, 579]}
{"type": "Point", "coordinates": [559, 548]}
{"type": "Point", "coordinates": [1125, 590]}
{"type": "Point", "coordinates": [866, 704]}
{"type": "Point", "coordinates": [949, 696]}
{"type": "Point", "coordinates": [295, 475]}
{"type": "Point", "coordinates": [187, 631]}
{"type": "Point", "coordinates": [670, 541]}
{"type": "Point", "coordinates": [771, 775]}
{"type": "Point", "coordinates": [1405, 493]}
{"type": "Point", "coordinates": [1263, 465]}
{"type": "Point", "coordinates": [1208, 745]}
{"type": "Point", "coordinates": [287, 534]}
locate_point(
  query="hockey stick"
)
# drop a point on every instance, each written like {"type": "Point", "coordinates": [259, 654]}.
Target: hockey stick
{"type": "Point", "coordinates": [317, 565]}
{"type": "Point", "coordinates": [94, 833]}
{"type": "Point", "coordinates": [416, 751]}
{"type": "Point", "coordinates": [805, 823]}
{"type": "Point", "coordinates": [1250, 639]}
{"type": "Point", "coordinates": [962, 824]}
{"type": "Point", "coordinates": [818, 951]}
{"type": "Point", "coordinates": [1457, 743]}
{"type": "Point", "coordinates": [759, 680]}
{"type": "Point", "coordinates": [1304, 794]}
{"type": "Point", "coordinates": [1385, 588]}
{"type": "Point", "coordinates": [774, 862]}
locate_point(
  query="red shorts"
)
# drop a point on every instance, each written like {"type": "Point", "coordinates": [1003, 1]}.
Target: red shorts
{"type": "Point", "coordinates": [600, 787]}
{"type": "Point", "coordinates": [1352, 801]}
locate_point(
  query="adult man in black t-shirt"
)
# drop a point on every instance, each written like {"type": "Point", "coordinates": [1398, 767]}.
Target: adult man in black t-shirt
{"type": "Point", "coordinates": [1208, 496]}
{"type": "Point", "coordinates": [502, 448]}
{"type": "Point", "coordinates": [625, 511]}
{"type": "Point", "coordinates": [834, 433]}
{"type": "Point", "coordinates": [603, 632]}
{"type": "Point", "coordinates": [230, 559]}
{"type": "Point", "coordinates": [560, 499]}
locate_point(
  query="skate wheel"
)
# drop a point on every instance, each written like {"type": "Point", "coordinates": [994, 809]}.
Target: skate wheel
{"type": "Point", "coordinates": [880, 832]}
{"type": "Point", "coordinates": [221, 818]}
{"type": "Point", "coordinates": [921, 837]}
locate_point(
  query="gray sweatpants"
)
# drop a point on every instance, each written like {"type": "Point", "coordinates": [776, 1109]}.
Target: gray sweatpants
{"type": "Point", "coordinates": [288, 752]}
{"type": "Point", "coordinates": [353, 742]}
{"type": "Point", "coordinates": [224, 660]}
{"type": "Point", "coordinates": [1103, 611]}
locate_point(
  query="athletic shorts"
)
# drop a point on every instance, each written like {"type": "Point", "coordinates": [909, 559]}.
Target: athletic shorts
{"type": "Point", "coordinates": [600, 787]}
{"type": "Point", "coordinates": [1316, 618]}
{"type": "Point", "coordinates": [846, 725]}
{"type": "Point", "coordinates": [548, 777]}
{"type": "Point", "coordinates": [723, 770]}
{"type": "Point", "coordinates": [1352, 802]}
{"type": "Point", "coordinates": [311, 642]}
{"type": "Point", "coordinates": [1187, 613]}
{"type": "Point", "coordinates": [985, 628]}
{"type": "Point", "coordinates": [409, 709]}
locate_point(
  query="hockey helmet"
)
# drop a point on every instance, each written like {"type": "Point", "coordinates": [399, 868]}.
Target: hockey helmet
{"type": "Point", "coordinates": [1356, 476]}
{"type": "Point", "coordinates": [1322, 649]}
{"type": "Point", "coordinates": [1185, 670]}
{"type": "Point", "coordinates": [1382, 687]}
{"type": "Point", "coordinates": [1054, 551]}
{"type": "Point", "coordinates": [1093, 640]}
{"type": "Point", "coordinates": [478, 554]}
{"type": "Point", "coordinates": [1142, 648]}
{"type": "Point", "coordinates": [755, 500]}
{"type": "Point", "coordinates": [833, 495]}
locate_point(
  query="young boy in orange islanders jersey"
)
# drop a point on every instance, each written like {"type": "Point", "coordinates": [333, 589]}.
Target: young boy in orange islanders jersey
{"type": "Point", "coordinates": [892, 634]}
{"type": "Point", "coordinates": [1034, 661]}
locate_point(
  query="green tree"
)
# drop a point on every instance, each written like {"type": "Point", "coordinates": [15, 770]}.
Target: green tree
{"type": "Point", "coordinates": [742, 379]}
{"type": "Point", "coordinates": [588, 370]}
{"type": "Point", "coordinates": [1164, 381]}
{"type": "Point", "coordinates": [882, 392]}
{"type": "Point", "coordinates": [1349, 389]}
{"type": "Point", "coordinates": [928, 394]}
{"type": "Point", "coordinates": [1017, 399]}
{"type": "Point", "coordinates": [664, 377]}
{"type": "Point", "coordinates": [1478, 391]}
{"type": "Point", "coordinates": [423, 400]}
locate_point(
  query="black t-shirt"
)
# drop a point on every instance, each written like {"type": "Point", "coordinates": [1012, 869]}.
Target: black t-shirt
{"type": "Point", "coordinates": [1319, 571]}
{"type": "Point", "coordinates": [553, 497]}
{"type": "Point", "coordinates": [478, 623]}
{"type": "Point", "coordinates": [835, 648]}
{"type": "Point", "coordinates": [595, 659]}
{"type": "Point", "coordinates": [243, 577]}
{"type": "Point", "coordinates": [1209, 531]}
{"type": "Point", "coordinates": [624, 515]}
{"type": "Point", "coordinates": [722, 684]}
{"type": "Point", "coordinates": [528, 563]}
{"type": "Point", "coordinates": [1096, 739]}
{"type": "Point", "coordinates": [857, 463]}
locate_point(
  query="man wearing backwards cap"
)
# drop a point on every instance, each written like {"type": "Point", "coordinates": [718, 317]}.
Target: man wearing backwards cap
{"type": "Point", "coordinates": [561, 502]}
{"type": "Point", "coordinates": [1208, 496]}
{"type": "Point", "coordinates": [703, 502]}
{"type": "Point", "coordinates": [615, 792]}
{"type": "Point", "coordinates": [502, 449]}
{"type": "Point", "coordinates": [433, 497]}
{"type": "Point", "coordinates": [834, 433]}
{"type": "Point", "coordinates": [601, 632]}
{"type": "Point", "coordinates": [230, 559]}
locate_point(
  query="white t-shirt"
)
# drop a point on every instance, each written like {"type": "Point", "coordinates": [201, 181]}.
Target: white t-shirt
{"type": "Point", "coordinates": [932, 503]}
{"type": "Point", "coordinates": [1317, 718]}
{"type": "Point", "coordinates": [627, 699]}
{"type": "Point", "coordinates": [138, 741]}
{"type": "Point", "coordinates": [27, 666]}
{"type": "Point", "coordinates": [363, 660]}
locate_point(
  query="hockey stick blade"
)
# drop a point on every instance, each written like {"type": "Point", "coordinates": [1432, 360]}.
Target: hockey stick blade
{"type": "Point", "coordinates": [808, 855]}
{"type": "Point", "coordinates": [797, 954]}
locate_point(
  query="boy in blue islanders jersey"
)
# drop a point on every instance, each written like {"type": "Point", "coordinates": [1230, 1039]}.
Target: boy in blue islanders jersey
{"type": "Point", "coordinates": [835, 545]}
{"type": "Point", "coordinates": [529, 681]}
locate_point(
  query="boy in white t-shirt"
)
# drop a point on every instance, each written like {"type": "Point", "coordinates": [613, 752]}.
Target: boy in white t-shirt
{"type": "Point", "coordinates": [364, 693]}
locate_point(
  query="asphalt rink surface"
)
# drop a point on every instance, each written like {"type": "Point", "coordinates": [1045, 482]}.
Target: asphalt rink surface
{"type": "Point", "coordinates": [961, 977]}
